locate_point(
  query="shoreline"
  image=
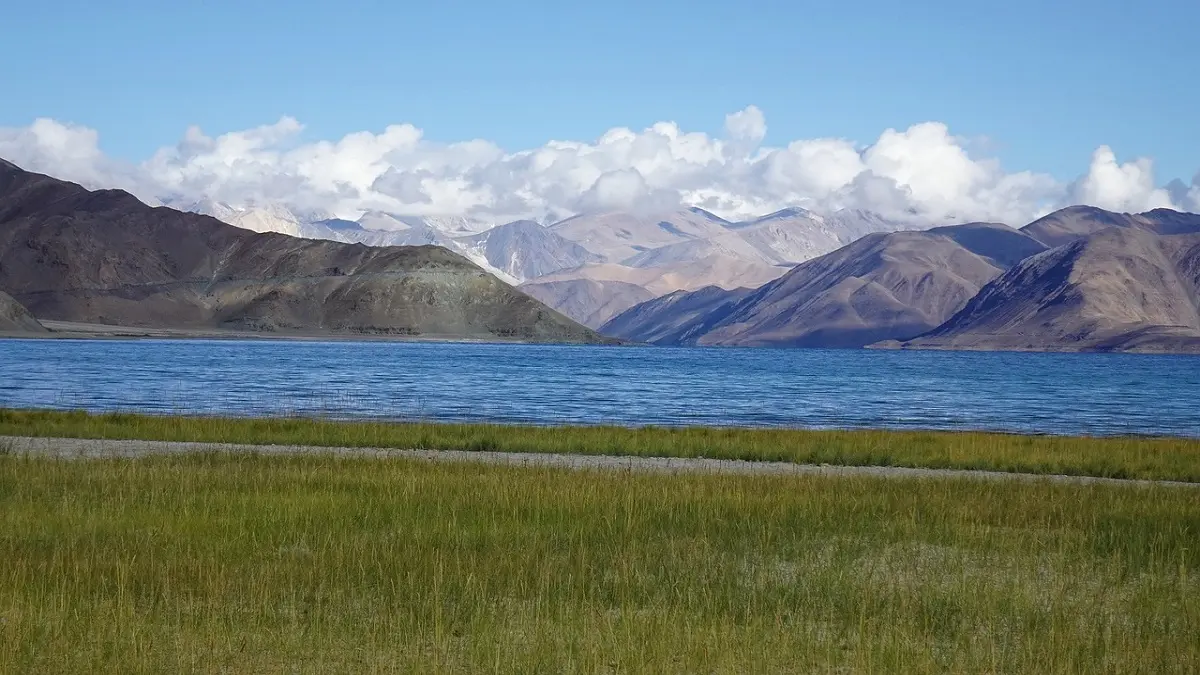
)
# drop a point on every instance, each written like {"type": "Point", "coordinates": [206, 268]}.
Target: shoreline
{"type": "Point", "coordinates": [67, 330]}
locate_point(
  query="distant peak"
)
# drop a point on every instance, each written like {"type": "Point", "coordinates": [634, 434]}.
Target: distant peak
{"type": "Point", "coordinates": [707, 214]}
{"type": "Point", "coordinates": [378, 220]}
{"type": "Point", "coordinates": [1082, 208]}
{"type": "Point", "coordinates": [339, 224]}
{"type": "Point", "coordinates": [862, 214]}
{"type": "Point", "coordinates": [975, 225]}
{"type": "Point", "coordinates": [375, 213]}
{"type": "Point", "coordinates": [789, 212]}
{"type": "Point", "coordinates": [1163, 211]}
{"type": "Point", "coordinates": [524, 224]}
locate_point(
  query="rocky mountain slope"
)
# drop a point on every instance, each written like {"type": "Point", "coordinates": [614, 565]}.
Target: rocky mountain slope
{"type": "Point", "coordinates": [681, 249]}
{"type": "Point", "coordinates": [780, 239]}
{"type": "Point", "coordinates": [104, 257]}
{"type": "Point", "coordinates": [15, 319]}
{"type": "Point", "coordinates": [591, 302]}
{"type": "Point", "coordinates": [675, 318]}
{"type": "Point", "coordinates": [690, 249]}
{"type": "Point", "coordinates": [373, 228]}
{"type": "Point", "coordinates": [1124, 288]}
{"type": "Point", "coordinates": [612, 288]}
{"type": "Point", "coordinates": [525, 250]}
{"type": "Point", "coordinates": [617, 236]}
{"type": "Point", "coordinates": [1077, 222]}
{"type": "Point", "coordinates": [882, 286]}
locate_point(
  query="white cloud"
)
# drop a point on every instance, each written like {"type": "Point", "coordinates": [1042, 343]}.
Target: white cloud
{"type": "Point", "coordinates": [922, 172]}
{"type": "Point", "coordinates": [805, 169]}
{"type": "Point", "coordinates": [746, 128]}
{"type": "Point", "coordinates": [625, 190]}
{"type": "Point", "coordinates": [1119, 187]}
{"type": "Point", "coordinates": [70, 152]}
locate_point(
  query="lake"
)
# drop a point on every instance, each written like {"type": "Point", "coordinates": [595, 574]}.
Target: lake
{"type": "Point", "coordinates": [1102, 394]}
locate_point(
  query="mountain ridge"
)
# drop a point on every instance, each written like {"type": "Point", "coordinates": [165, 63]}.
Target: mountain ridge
{"type": "Point", "coordinates": [1120, 289]}
{"type": "Point", "coordinates": [1120, 282]}
{"type": "Point", "coordinates": [884, 285]}
{"type": "Point", "coordinates": [687, 246]}
{"type": "Point", "coordinates": [104, 257]}
{"type": "Point", "coordinates": [1078, 222]}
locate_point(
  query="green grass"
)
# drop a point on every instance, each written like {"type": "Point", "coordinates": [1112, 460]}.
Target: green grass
{"type": "Point", "coordinates": [1150, 458]}
{"type": "Point", "coordinates": [321, 564]}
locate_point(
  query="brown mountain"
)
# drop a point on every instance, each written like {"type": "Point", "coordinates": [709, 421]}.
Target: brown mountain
{"type": "Point", "coordinates": [1077, 222]}
{"type": "Point", "coordinates": [883, 286]}
{"type": "Point", "coordinates": [1122, 289]}
{"type": "Point", "coordinates": [69, 254]}
{"type": "Point", "coordinates": [675, 318]}
{"type": "Point", "coordinates": [16, 319]}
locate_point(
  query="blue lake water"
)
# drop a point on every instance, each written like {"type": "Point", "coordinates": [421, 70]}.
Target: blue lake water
{"type": "Point", "coordinates": [1037, 393]}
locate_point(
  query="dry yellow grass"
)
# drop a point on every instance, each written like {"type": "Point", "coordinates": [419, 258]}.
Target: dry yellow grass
{"type": "Point", "coordinates": [319, 564]}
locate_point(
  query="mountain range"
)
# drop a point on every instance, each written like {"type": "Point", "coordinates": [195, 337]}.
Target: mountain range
{"type": "Point", "coordinates": [901, 283]}
{"type": "Point", "coordinates": [1120, 289]}
{"type": "Point", "coordinates": [593, 266]}
{"type": "Point", "coordinates": [1078, 279]}
{"type": "Point", "coordinates": [73, 255]}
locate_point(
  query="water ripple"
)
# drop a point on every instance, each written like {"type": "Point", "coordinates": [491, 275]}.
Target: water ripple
{"type": "Point", "coordinates": [1035, 393]}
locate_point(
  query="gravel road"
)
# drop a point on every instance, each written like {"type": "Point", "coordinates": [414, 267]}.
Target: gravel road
{"type": "Point", "coordinates": [78, 448]}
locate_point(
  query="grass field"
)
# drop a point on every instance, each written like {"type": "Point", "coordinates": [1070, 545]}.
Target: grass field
{"type": "Point", "coordinates": [1152, 458]}
{"type": "Point", "coordinates": [321, 564]}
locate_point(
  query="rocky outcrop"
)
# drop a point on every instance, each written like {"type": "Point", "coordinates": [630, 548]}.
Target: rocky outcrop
{"type": "Point", "coordinates": [15, 319]}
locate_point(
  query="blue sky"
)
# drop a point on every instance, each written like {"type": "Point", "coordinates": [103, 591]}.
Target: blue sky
{"type": "Point", "coordinates": [1038, 86]}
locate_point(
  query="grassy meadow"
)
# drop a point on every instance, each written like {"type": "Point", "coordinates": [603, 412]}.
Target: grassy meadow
{"type": "Point", "coordinates": [1128, 457]}
{"type": "Point", "coordinates": [319, 564]}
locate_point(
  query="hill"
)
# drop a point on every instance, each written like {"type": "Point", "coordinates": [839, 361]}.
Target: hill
{"type": "Point", "coordinates": [103, 257]}
{"type": "Point", "coordinates": [1122, 289]}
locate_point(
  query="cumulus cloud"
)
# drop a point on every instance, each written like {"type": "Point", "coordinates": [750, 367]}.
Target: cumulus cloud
{"type": "Point", "coordinates": [923, 172]}
{"type": "Point", "coordinates": [625, 190]}
{"type": "Point", "coordinates": [1119, 187]}
{"type": "Point", "coordinates": [745, 130]}
{"type": "Point", "coordinates": [70, 152]}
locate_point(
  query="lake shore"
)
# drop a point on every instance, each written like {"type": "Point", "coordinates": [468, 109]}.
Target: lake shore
{"type": "Point", "coordinates": [1142, 458]}
{"type": "Point", "coordinates": [67, 330]}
